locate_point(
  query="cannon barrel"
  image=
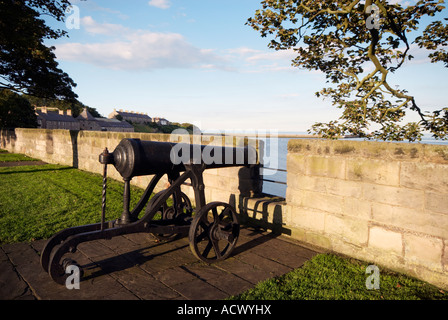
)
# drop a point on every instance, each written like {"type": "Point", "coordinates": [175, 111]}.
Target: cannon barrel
{"type": "Point", "coordinates": [135, 157]}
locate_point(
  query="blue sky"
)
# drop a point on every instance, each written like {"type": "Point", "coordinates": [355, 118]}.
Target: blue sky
{"type": "Point", "coordinates": [196, 61]}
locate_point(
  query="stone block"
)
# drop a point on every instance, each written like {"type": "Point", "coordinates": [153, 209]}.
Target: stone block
{"type": "Point", "coordinates": [307, 219]}
{"type": "Point", "coordinates": [287, 215]}
{"type": "Point", "coordinates": [319, 239]}
{"type": "Point", "coordinates": [364, 149]}
{"type": "Point", "coordinates": [425, 176]}
{"type": "Point", "coordinates": [294, 197]}
{"type": "Point", "coordinates": [267, 210]}
{"type": "Point", "coordinates": [436, 153]}
{"type": "Point", "coordinates": [217, 182]}
{"type": "Point", "coordinates": [352, 229]}
{"type": "Point", "coordinates": [230, 172]}
{"type": "Point", "coordinates": [343, 188]}
{"type": "Point", "coordinates": [322, 201]}
{"type": "Point", "coordinates": [347, 248]}
{"type": "Point", "coordinates": [394, 195]}
{"type": "Point", "coordinates": [296, 163]}
{"type": "Point", "coordinates": [237, 184]}
{"type": "Point", "coordinates": [386, 240]}
{"type": "Point", "coordinates": [424, 250]}
{"type": "Point", "coordinates": [424, 221]}
{"type": "Point", "coordinates": [211, 172]}
{"type": "Point", "coordinates": [408, 152]}
{"type": "Point", "coordinates": [437, 202]}
{"type": "Point", "coordinates": [219, 195]}
{"type": "Point", "coordinates": [324, 185]}
{"type": "Point", "coordinates": [332, 167]}
{"type": "Point", "coordinates": [303, 182]}
{"type": "Point", "coordinates": [357, 208]}
{"type": "Point", "coordinates": [374, 171]}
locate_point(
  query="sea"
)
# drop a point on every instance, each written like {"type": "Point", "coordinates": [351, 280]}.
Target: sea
{"type": "Point", "coordinates": [274, 160]}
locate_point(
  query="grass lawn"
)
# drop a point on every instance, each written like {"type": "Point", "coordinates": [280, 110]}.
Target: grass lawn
{"type": "Point", "coordinates": [331, 277]}
{"type": "Point", "coordinates": [38, 201]}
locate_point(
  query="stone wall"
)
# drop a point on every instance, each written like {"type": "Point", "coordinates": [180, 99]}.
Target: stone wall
{"type": "Point", "coordinates": [380, 202]}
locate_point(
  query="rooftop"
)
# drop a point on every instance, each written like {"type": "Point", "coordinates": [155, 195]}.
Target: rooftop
{"type": "Point", "coordinates": [132, 114]}
{"type": "Point", "coordinates": [104, 122]}
{"type": "Point", "coordinates": [54, 116]}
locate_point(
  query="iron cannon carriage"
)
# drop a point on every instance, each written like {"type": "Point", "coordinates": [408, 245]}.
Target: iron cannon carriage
{"type": "Point", "coordinates": [212, 228]}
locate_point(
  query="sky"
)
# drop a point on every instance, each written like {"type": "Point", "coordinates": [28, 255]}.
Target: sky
{"type": "Point", "coordinates": [196, 61]}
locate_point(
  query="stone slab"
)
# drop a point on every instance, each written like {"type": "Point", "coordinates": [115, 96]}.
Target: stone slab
{"type": "Point", "coordinates": [136, 267]}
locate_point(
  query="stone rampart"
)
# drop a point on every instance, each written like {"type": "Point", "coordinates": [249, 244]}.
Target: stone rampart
{"type": "Point", "coordinates": [377, 201]}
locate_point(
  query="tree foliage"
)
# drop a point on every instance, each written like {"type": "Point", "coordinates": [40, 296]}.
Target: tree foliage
{"type": "Point", "coordinates": [26, 64]}
{"type": "Point", "coordinates": [16, 111]}
{"type": "Point", "coordinates": [357, 44]}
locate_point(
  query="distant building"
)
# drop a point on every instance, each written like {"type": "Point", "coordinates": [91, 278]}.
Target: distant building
{"type": "Point", "coordinates": [53, 118]}
{"type": "Point", "coordinates": [134, 117]}
{"type": "Point", "coordinates": [89, 122]}
{"type": "Point", "coordinates": [161, 121]}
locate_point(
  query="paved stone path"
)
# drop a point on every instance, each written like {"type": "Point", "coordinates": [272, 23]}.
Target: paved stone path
{"type": "Point", "coordinates": [133, 267]}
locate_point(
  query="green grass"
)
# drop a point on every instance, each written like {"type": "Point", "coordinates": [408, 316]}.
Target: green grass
{"type": "Point", "coordinates": [38, 201]}
{"type": "Point", "coordinates": [331, 277]}
{"type": "Point", "coordinates": [8, 157]}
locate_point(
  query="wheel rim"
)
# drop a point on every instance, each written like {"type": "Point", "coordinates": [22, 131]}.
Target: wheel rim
{"type": "Point", "coordinates": [214, 232]}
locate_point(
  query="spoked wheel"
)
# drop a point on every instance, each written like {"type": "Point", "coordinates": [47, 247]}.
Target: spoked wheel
{"type": "Point", "coordinates": [214, 232]}
{"type": "Point", "coordinates": [175, 212]}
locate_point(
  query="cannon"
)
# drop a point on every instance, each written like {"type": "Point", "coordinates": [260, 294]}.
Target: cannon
{"type": "Point", "coordinates": [212, 228]}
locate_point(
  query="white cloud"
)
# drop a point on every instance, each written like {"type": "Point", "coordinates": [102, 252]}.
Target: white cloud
{"type": "Point", "coordinates": [121, 48]}
{"type": "Point", "coordinates": [93, 27]}
{"type": "Point", "coordinates": [256, 61]}
{"type": "Point", "coordinates": [253, 55]}
{"type": "Point", "coordinates": [161, 4]}
{"type": "Point", "coordinates": [140, 50]}
{"type": "Point", "coordinates": [289, 95]}
{"type": "Point", "coordinates": [420, 54]}
{"type": "Point", "coordinates": [243, 51]}
{"type": "Point", "coordinates": [146, 51]}
{"type": "Point", "coordinates": [283, 55]}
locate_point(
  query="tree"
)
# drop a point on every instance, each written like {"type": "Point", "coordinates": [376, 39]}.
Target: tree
{"type": "Point", "coordinates": [93, 112]}
{"type": "Point", "coordinates": [26, 64]}
{"type": "Point", "coordinates": [341, 39]}
{"type": "Point", "coordinates": [16, 111]}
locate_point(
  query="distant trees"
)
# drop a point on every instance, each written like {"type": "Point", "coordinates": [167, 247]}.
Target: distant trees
{"type": "Point", "coordinates": [16, 111]}
{"type": "Point", "coordinates": [152, 127]}
{"type": "Point", "coordinates": [175, 125]}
